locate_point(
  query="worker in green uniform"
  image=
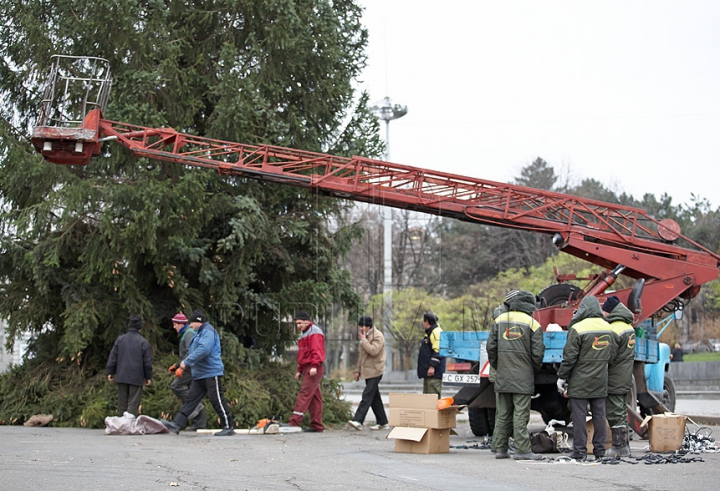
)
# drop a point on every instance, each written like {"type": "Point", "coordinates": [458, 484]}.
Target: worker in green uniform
{"type": "Point", "coordinates": [500, 309]}
{"type": "Point", "coordinates": [620, 371]}
{"type": "Point", "coordinates": [515, 350]}
{"type": "Point", "coordinates": [588, 350]}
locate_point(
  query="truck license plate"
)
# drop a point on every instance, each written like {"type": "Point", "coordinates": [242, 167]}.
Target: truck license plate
{"type": "Point", "coordinates": [461, 378]}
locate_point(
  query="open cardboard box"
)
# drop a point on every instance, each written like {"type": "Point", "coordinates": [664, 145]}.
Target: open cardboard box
{"type": "Point", "coordinates": [421, 440]}
{"type": "Point", "coordinates": [666, 431]}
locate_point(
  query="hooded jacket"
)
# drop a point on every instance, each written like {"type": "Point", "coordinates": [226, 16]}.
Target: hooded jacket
{"type": "Point", "coordinates": [501, 309]}
{"type": "Point", "coordinates": [204, 354]}
{"type": "Point", "coordinates": [515, 346]}
{"type": "Point", "coordinates": [620, 370]}
{"type": "Point", "coordinates": [588, 350]}
{"type": "Point", "coordinates": [429, 354]}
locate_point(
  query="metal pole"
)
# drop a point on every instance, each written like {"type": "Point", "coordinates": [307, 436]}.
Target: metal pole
{"type": "Point", "coordinates": [386, 111]}
{"type": "Point", "coordinates": [387, 263]}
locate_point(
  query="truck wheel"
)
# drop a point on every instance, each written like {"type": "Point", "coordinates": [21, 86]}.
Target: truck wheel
{"type": "Point", "coordinates": [558, 294]}
{"type": "Point", "coordinates": [668, 397]}
{"type": "Point", "coordinates": [482, 420]}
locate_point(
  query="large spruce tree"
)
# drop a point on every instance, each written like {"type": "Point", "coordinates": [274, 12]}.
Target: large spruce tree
{"type": "Point", "coordinates": [85, 247]}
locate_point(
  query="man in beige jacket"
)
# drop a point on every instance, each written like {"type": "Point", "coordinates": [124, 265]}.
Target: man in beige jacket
{"type": "Point", "coordinates": [370, 367]}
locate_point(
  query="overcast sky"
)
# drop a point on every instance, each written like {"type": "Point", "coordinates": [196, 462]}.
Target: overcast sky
{"type": "Point", "coordinates": [626, 92]}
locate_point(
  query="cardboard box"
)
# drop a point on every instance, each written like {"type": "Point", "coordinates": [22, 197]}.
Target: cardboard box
{"type": "Point", "coordinates": [591, 432]}
{"type": "Point", "coordinates": [423, 418]}
{"type": "Point", "coordinates": [421, 440]}
{"type": "Point", "coordinates": [666, 431]}
{"type": "Point", "coordinates": [420, 411]}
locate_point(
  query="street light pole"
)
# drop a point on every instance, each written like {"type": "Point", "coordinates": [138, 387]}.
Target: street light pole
{"type": "Point", "coordinates": [387, 111]}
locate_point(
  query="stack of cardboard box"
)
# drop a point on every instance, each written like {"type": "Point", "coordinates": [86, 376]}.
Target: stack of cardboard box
{"type": "Point", "coordinates": [419, 427]}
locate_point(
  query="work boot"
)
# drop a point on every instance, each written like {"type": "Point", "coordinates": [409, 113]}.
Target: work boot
{"type": "Point", "coordinates": [580, 457]}
{"type": "Point", "coordinates": [199, 422]}
{"type": "Point", "coordinates": [225, 432]}
{"type": "Point", "coordinates": [620, 446]}
{"type": "Point", "coordinates": [196, 411]}
{"type": "Point", "coordinates": [171, 425]}
{"type": "Point", "coordinates": [527, 456]}
{"type": "Point", "coordinates": [502, 454]}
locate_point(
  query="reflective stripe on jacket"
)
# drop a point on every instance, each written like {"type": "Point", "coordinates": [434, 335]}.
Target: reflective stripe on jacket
{"type": "Point", "coordinates": [515, 350]}
{"type": "Point", "coordinates": [589, 348]}
{"type": "Point", "coordinates": [429, 354]}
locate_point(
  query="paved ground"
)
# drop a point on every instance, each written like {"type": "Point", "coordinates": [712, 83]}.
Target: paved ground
{"type": "Point", "coordinates": [701, 411]}
{"type": "Point", "coordinates": [339, 459]}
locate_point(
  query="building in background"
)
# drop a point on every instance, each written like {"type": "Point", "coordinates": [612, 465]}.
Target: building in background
{"type": "Point", "coordinates": [14, 358]}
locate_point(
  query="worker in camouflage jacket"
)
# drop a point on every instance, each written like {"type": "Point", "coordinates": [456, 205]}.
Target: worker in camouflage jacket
{"type": "Point", "coordinates": [588, 350]}
{"type": "Point", "coordinates": [515, 350]}
{"type": "Point", "coordinates": [620, 373]}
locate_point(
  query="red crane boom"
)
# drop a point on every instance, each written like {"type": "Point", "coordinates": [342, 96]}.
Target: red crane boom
{"type": "Point", "coordinates": [605, 234]}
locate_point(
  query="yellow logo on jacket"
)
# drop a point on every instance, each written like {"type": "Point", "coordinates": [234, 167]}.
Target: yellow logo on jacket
{"type": "Point", "coordinates": [513, 333]}
{"type": "Point", "coordinates": [631, 342]}
{"type": "Point", "coordinates": [601, 342]}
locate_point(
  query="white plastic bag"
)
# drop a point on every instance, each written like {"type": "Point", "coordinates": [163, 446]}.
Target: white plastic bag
{"type": "Point", "coordinates": [128, 424]}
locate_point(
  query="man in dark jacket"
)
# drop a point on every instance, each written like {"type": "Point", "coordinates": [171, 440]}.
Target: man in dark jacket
{"type": "Point", "coordinates": [515, 351]}
{"type": "Point", "coordinates": [588, 350]}
{"type": "Point", "coordinates": [431, 365]}
{"type": "Point", "coordinates": [130, 367]}
{"type": "Point", "coordinates": [181, 385]}
{"type": "Point", "coordinates": [205, 359]}
{"type": "Point", "coordinates": [620, 373]}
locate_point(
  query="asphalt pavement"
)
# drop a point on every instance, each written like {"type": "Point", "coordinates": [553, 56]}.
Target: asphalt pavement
{"type": "Point", "coordinates": [341, 458]}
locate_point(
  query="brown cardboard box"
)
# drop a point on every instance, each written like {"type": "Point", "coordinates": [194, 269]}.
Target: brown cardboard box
{"type": "Point", "coordinates": [421, 440]}
{"type": "Point", "coordinates": [666, 432]}
{"type": "Point", "coordinates": [591, 431]}
{"type": "Point", "coordinates": [423, 418]}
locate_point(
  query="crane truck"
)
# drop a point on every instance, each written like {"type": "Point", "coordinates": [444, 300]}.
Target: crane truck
{"type": "Point", "coordinates": [667, 267]}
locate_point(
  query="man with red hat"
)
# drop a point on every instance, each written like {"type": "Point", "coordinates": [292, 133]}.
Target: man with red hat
{"type": "Point", "coordinates": [180, 385]}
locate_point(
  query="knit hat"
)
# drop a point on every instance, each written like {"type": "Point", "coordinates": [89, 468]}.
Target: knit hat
{"type": "Point", "coordinates": [180, 318]}
{"type": "Point", "coordinates": [430, 318]}
{"type": "Point", "coordinates": [198, 316]}
{"type": "Point", "coordinates": [610, 304]}
{"type": "Point", "coordinates": [302, 315]}
{"type": "Point", "coordinates": [511, 294]}
{"type": "Point", "coordinates": [135, 322]}
{"type": "Point", "coordinates": [365, 321]}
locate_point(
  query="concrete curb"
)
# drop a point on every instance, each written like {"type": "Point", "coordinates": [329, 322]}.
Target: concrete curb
{"type": "Point", "coordinates": [705, 420]}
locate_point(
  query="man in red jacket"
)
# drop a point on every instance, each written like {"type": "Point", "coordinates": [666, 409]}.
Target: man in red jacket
{"type": "Point", "coordinates": [311, 368]}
